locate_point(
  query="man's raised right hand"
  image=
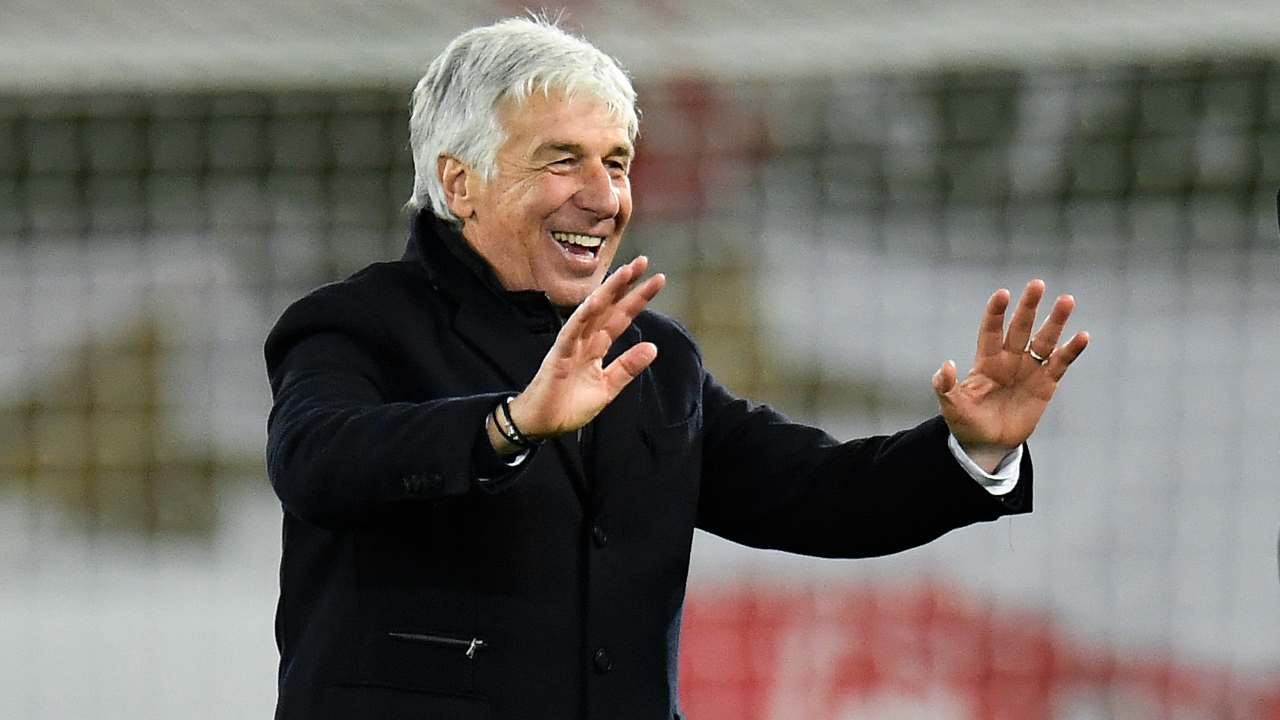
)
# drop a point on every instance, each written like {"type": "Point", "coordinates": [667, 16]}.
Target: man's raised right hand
{"type": "Point", "coordinates": [572, 386]}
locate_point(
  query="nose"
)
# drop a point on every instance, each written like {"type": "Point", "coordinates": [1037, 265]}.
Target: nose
{"type": "Point", "coordinates": [598, 194]}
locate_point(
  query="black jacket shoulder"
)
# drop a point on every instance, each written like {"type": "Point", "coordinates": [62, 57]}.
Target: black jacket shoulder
{"type": "Point", "coordinates": [357, 306]}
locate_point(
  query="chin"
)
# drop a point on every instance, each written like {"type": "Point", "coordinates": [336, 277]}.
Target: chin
{"type": "Point", "coordinates": [570, 292]}
{"type": "Point", "coordinates": [568, 298]}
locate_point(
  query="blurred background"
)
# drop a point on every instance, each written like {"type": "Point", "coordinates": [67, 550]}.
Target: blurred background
{"type": "Point", "coordinates": [833, 188]}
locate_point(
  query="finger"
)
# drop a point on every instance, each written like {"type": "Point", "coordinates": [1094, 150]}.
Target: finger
{"type": "Point", "coordinates": [638, 266]}
{"type": "Point", "coordinates": [1062, 358]}
{"type": "Point", "coordinates": [619, 282]}
{"type": "Point", "coordinates": [615, 286]}
{"type": "Point", "coordinates": [633, 304]}
{"type": "Point", "coordinates": [597, 345]}
{"type": "Point", "coordinates": [944, 379]}
{"type": "Point", "coordinates": [991, 331]}
{"type": "Point", "coordinates": [627, 366]}
{"type": "Point", "coordinates": [583, 319]}
{"type": "Point", "coordinates": [577, 327]}
{"type": "Point", "coordinates": [1046, 338]}
{"type": "Point", "coordinates": [1024, 317]}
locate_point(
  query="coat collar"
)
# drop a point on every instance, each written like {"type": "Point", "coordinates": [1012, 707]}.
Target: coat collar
{"type": "Point", "coordinates": [459, 271]}
{"type": "Point", "coordinates": [512, 330]}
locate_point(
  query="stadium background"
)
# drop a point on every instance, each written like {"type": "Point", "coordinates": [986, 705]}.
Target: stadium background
{"type": "Point", "coordinates": [833, 189]}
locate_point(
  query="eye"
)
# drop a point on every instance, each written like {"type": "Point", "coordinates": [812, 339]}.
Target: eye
{"type": "Point", "coordinates": [618, 167]}
{"type": "Point", "coordinates": [564, 162]}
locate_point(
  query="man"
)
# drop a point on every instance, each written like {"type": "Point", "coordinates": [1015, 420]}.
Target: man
{"type": "Point", "coordinates": [492, 458]}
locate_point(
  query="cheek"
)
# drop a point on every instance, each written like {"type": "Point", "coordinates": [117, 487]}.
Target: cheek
{"type": "Point", "coordinates": [550, 194]}
{"type": "Point", "coordinates": [530, 202]}
{"type": "Point", "coordinates": [624, 199]}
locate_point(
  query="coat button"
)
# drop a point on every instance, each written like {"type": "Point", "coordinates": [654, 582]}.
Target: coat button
{"type": "Point", "coordinates": [599, 536]}
{"type": "Point", "coordinates": [602, 661]}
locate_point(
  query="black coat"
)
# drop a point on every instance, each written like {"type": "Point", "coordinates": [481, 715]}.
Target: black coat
{"type": "Point", "coordinates": [408, 589]}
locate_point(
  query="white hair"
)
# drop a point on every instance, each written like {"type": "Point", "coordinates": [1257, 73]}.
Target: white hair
{"type": "Point", "coordinates": [455, 104]}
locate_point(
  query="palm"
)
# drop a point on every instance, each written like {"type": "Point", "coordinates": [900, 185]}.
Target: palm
{"type": "Point", "coordinates": [1002, 399]}
{"type": "Point", "coordinates": [577, 387]}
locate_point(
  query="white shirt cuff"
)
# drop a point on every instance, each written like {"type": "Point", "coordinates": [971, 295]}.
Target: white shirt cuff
{"type": "Point", "coordinates": [515, 461]}
{"type": "Point", "coordinates": [1002, 481]}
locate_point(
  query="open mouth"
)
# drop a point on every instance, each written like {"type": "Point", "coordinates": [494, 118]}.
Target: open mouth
{"type": "Point", "coordinates": [579, 244]}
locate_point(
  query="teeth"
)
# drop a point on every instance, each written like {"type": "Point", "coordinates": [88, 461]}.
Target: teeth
{"type": "Point", "coordinates": [587, 241]}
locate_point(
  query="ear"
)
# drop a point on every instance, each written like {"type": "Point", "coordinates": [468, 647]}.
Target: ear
{"type": "Point", "coordinates": [459, 194]}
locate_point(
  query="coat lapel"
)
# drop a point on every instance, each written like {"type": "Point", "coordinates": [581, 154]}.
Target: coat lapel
{"type": "Point", "coordinates": [570, 453]}
{"type": "Point", "coordinates": [500, 336]}
{"type": "Point", "coordinates": [616, 429]}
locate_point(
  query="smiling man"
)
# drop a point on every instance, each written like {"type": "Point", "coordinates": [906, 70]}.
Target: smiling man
{"type": "Point", "coordinates": [492, 458]}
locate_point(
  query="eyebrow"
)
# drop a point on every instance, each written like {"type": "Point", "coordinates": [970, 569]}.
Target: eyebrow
{"type": "Point", "coordinates": [578, 150]}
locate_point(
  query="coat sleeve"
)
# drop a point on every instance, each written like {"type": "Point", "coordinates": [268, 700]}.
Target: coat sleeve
{"type": "Point", "coordinates": [337, 448]}
{"type": "Point", "coordinates": [772, 483]}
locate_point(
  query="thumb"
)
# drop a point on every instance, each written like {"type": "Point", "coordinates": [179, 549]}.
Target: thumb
{"type": "Point", "coordinates": [945, 378]}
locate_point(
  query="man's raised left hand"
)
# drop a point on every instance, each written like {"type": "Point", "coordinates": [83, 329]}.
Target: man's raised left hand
{"type": "Point", "coordinates": [996, 407]}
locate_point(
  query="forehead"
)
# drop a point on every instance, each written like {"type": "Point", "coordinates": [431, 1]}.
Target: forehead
{"type": "Point", "coordinates": [540, 121]}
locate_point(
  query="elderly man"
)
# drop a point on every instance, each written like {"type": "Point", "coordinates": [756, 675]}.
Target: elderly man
{"type": "Point", "coordinates": [492, 458]}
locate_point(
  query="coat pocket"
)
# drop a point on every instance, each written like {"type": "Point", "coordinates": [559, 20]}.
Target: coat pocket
{"type": "Point", "coordinates": [424, 660]}
{"type": "Point", "coordinates": [468, 646]}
